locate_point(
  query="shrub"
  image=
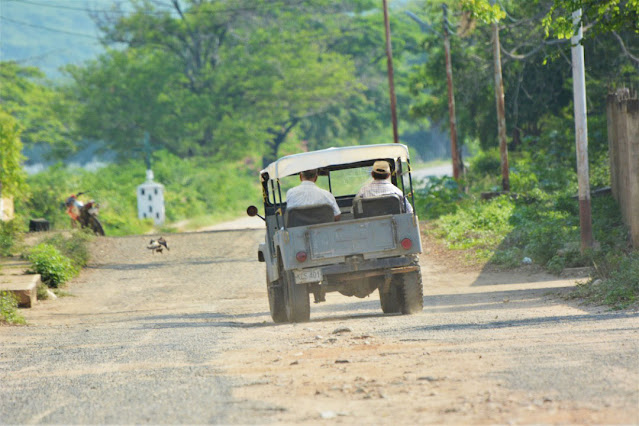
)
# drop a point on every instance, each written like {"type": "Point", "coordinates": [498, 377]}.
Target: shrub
{"type": "Point", "coordinates": [437, 197]}
{"type": "Point", "coordinates": [10, 235]}
{"type": "Point", "coordinates": [74, 247]}
{"type": "Point", "coordinates": [55, 268]}
{"type": "Point", "coordinates": [9, 309]}
{"type": "Point", "coordinates": [486, 163]}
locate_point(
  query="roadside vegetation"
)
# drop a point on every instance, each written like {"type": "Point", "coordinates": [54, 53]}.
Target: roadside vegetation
{"type": "Point", "coordinates": [538, 221]}
{"type": "Point", "coordinates": [9, 313]}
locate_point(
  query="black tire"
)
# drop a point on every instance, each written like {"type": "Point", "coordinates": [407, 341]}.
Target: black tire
{"type": "Point", "coordinates": [276, 300]}
{"type": "Point", "coordinates": [298, 305]}
{"type": "Point", "coordinates": [389, 301]}
{"type": "Point", "coordinates": [411, 293]}
{"type": "Point", "coordinates": [96, 226]}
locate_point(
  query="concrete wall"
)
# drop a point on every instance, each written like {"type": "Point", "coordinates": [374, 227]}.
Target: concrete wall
{"type": "Point", "coordinates": [623, 142]}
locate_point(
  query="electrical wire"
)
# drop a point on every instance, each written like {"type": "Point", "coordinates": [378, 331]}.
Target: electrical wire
{"type": "Point", "coordinates": [57, 30]}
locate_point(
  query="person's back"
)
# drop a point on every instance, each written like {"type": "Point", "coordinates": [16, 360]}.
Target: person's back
{"type": "Point", "coordinates": [381, 185]}
{"type": "Point", "coordinates": [309, 194]}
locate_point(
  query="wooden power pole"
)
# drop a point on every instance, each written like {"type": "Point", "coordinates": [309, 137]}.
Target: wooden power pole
{"type": "Point", "coordinates": [457, 166]}
{"type": "Point", "coordinates": [501, 109]}
{"type": "Point", "coordinates": [389, 62]}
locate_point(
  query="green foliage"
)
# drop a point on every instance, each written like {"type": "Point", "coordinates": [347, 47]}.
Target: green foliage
{"type": "Point", "coordinates": [478, 225]}
{"type": "Point", "coordinates": [9, 309]}
{"type": "Point", "coordinates": [486, 163]}
{"type": "Point", "coordinates": [55, 268]}
{"type": "Point", "coordinates": [10, 236]}
{"type": "Point", "coordinates": [12, 176]}
{"type": "Point", "coordinates": [43, 112]}
{"type": "Point", "coordinates": [193, 187]}
{"type": "Point", "coordinates": [483, 10]}
{"type": "Point", "coordinates": [616, 282]}
{"type": "Point", "coordinates": [605, 16]}
{"type": "Point", "coordinates": [75, 246]}
{"type": "Point", "coordinates": [437, 196]}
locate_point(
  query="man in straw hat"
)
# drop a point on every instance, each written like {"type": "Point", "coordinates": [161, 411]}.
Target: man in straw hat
{"type": "Point", "coordinates": [381, 184]}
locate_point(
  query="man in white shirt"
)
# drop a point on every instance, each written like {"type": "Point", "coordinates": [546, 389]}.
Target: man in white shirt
{"type": "Point", "coordinates": [309, 194]}
{"type": "Point", "coordinates": [381, 185]}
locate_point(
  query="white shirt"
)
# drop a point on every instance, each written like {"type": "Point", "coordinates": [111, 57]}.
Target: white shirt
{"type": "Point", "coordinates": [309, 194]}
{"type": "Point", "coordinates": [379, 187]}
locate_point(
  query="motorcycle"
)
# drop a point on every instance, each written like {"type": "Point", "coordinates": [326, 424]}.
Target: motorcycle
{"type": "Point", "coordinates": [84, 214]}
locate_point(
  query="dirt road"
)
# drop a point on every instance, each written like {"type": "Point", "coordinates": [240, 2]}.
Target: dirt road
{"type": "Point", "coordinates": [185, 337]}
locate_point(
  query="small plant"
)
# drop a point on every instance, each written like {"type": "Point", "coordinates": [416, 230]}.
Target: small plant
{"type": "Point", "coordinates": [55, 268]}
{"type": "Point", "coordinates": [9, 309]}
{"type": "Point", "coordinates": [42, 292]}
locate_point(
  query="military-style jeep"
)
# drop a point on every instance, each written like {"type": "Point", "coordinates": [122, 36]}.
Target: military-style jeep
{"type": "Point", "coordinates": [373, 247]}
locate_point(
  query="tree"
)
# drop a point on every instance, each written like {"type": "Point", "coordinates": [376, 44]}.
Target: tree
{"type": "Point", "coordinates": [12, 177]}
{"type": "Point", "coordinates": [214, 77]}
{"type": "Point", "coordinates": [536, 74]}
{"type": "Point", "coordinates": [44, 112]}
{"type": "Point", "coordinates": [599, 16]}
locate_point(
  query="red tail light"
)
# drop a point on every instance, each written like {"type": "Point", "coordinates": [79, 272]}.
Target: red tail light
{"type": "Point", "coordinates": [407, 243]}
{"type": "Point", "coordinates": [301, 256]}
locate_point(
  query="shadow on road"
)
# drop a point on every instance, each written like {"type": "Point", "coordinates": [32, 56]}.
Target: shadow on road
{"type": "Point", "coordinates": [551, 320]}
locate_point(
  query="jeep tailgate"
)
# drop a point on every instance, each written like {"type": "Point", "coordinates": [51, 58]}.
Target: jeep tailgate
{"type": "Point", "coordinates": [350, 238]}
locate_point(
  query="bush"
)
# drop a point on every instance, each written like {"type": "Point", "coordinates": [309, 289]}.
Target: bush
{"type": "Point", "coordinates": [486, 163]}
{"type": "Point", "coordinates": [9, 309]}
{"type": "Point", "coordinates": [437, 197]}
{"type": "Point", "coordinates": [10, 235]}
{"type": "Point", "coordinates": [74, 247]}
{"type": "Point", "coordinates": [55, 268]}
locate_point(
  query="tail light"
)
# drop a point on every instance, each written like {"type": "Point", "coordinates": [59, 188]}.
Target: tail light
{"type": "Point", "coordinates": [406, 243]}
{"type": "Point", "coordinates": [301, 256]}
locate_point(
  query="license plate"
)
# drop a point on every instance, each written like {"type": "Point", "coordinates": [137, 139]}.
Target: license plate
{"type": "Point", "coordinates": [312, 275]}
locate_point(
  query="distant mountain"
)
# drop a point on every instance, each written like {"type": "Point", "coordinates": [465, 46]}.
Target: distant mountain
{"type": "Point", "coordinates": [49, 34]}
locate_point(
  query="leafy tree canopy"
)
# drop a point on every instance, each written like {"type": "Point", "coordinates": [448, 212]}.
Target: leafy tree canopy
{"type": "Point", "coordinates": [599, 16]}
{"type": "Point", "coordinates": [42, 112]}
{"type": "Point", "coordinates": [12, 177]}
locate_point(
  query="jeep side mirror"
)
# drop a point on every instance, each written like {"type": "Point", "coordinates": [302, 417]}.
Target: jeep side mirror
{"type": "Point", "coordinates": [252, 211]}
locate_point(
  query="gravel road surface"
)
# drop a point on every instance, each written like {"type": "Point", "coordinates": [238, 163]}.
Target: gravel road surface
{"type": "Point", "coordinates": [185, 337]}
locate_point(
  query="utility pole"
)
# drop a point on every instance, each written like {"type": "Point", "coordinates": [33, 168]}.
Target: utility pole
{"type": "Point", "coordinates": [581, 133]}
{"type": "Point", "coordinates": [501, 109]}
{"type": "Point", "coordinates": [457, 166]}
{"type": "Point", "coordinates": [389, 62]}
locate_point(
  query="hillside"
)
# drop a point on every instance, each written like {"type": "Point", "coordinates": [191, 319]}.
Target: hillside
{"type": "Point", "coordinates": [48, 34]}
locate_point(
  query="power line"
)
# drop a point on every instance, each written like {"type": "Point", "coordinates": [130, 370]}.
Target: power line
{"type": "Point", "coordinates": [189, 11]}
{"type": "Point", "coordinates": [57, 30]}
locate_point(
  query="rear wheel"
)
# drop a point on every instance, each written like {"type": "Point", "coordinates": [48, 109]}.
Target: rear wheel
{"type": "Point", "coordinates": [390, 300]}
{"type": "Point", "coordinates": [298, 306]}
{"type": "Point", "coordinates": [96, 226]}
{"type": "Point", "coordinates": [411, 293]}
{"type": "Point", "coordinates": [276, 300]}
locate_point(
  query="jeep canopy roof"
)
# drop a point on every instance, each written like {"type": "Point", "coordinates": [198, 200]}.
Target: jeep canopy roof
{"type": "Point", "coordinates": [293, 164]}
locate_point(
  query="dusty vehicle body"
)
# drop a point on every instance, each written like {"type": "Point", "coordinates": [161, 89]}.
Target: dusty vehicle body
{"type": "Point", "coordinates": [373, 246]}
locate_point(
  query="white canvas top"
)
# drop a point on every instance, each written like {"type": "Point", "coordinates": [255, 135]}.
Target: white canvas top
{"type": "Point", "coordinates": [293, 164]}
